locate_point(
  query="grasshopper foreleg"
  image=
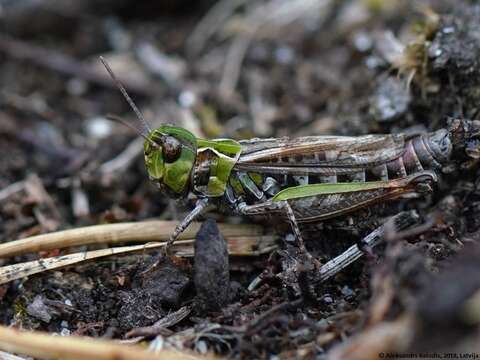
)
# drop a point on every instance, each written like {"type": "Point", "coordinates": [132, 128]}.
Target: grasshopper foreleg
{"type": "Point", "coordinates": [199, 207]}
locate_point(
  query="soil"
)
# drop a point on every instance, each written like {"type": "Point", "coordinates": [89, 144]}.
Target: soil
{"type": "Point", "coordinates": [345, 68]}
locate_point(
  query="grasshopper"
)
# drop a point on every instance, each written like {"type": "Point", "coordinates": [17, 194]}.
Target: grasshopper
{"type": "Point", "coordinates": [302, 180]}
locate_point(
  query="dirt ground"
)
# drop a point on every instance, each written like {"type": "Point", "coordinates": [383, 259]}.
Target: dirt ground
{"type": "Point", "coordinates": [238, 69]}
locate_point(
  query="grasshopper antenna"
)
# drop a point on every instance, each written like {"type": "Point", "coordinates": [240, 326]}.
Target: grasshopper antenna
{"type": "Point", "coordinates": [127, 124]}
{"type": "Point", "coordinates": [122, 89]}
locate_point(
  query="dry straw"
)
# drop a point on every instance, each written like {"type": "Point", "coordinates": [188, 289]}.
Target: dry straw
{"type": "Point", "coordinates": [242, 240]}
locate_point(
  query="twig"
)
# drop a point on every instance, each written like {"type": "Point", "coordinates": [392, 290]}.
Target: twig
{"type": "Point", "coordinates": [270, 13]}
{"type": "Point", "coordinates": [161, 325]}
{"type": "Point", "coordinates": [46, 213]}
{"type": "Point", "coordinates": [233, 63]}
{"type": "Point", "coordinates": [210, 23]}
{"type": "Point", "coordinates": [124, 159]}
{"type": "Point", "coordinates": [171, 69]}
{"type": "Point", "coordinates": [43, 346]}
{"type": "Point", "coordinates": [11, 189]}
{"type": "Point", "coordinates": [268, 314]}
{"type": "Point", "coordinates": [238, 246]}
{"type": "Point", "coordinates": [146, 231]}
{"type": "Point", "coordinates": [17, 271]}
{"type": "Point", "coordinates": [66, 65]}
{"type": "Point", "coordinates": [28, 104]}
{"type": "Point", "coordinates": [353, 253]}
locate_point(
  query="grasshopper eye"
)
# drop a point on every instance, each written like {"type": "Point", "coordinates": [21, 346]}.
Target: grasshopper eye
{"type": "Point", "coordinates": [172, 148]}
{"type": "Point", "coordinates": [148, 150]}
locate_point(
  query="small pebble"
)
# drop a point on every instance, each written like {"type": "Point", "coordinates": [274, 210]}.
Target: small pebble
{"type": "Point", "coordinates": [362, 41]}
{"type": "Point", "coordinates": [438, 52]}
{"type": "Point", "coordinates": [374, 62]}
{"type": "Point", "coordinates": [39, 310]}
{"type": "Point", "coordinates": [157, 344]}
{"type": "Point", "coordinates": [290, 238]}
{"type": "Point", "coordinates": [99, 127]}
{"type": "Point", "coordinates": [77, 87]}
{"type": "Point", "coordinates": [201, 347]}
{"type": "Point", "coordinates": [346, 291]}
{"type": "Point", "coordinates": [448, 30]}
{"type": "Point", "coordinates": [187, 99]}
{"type": "Point", "coordinates": [327, 299]}
{"type": "Point", "coordinates": [284, 55]}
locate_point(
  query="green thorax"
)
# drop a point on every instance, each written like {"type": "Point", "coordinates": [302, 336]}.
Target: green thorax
{"type": "Point", "coordinates": [215, 161]}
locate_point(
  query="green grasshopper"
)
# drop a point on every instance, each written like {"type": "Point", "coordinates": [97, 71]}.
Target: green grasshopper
{"type": "Point", "coordinates": [301, 180]}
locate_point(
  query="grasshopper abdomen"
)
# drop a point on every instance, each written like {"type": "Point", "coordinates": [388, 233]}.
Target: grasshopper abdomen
{"type": "Point", "coordinates": [429, 151]}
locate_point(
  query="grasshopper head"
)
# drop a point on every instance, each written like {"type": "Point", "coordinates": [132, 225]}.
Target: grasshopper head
{"type": "Point", "coordinates": [169, 157]}
{"type": "Point", "coordinates": [170, 151]}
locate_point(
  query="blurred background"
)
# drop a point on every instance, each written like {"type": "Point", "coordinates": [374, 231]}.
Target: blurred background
{"type": "Point", "coordinates": [228, 68]}
{"type": "Point", "coordinates": [234, 69]}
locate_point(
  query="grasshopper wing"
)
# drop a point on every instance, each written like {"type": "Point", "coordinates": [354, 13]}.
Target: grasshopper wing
{"type": "Point", "coordinates": [323, 155]}
{"type": "Point", "coordinates": [312, 203]}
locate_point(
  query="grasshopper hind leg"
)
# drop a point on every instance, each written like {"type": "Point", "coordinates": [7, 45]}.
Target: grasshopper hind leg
{"type": "Point", "coordinates": [275, 207]}
{"type": "Point", "coordinates": [294, 224]}
{"type": "Point", "coordinates": [298, 235]}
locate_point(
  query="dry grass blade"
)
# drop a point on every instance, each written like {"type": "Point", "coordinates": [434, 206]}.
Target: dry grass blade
{"type": "Point", "coordinates": [44, 346]}
{"type": "Point", "coordinates": [11, 189]}
{"type": "Point", "coordinates": [147, 231]}
{"type": "Point", "coordinates": [238, 246]}
{"type": "Point", "coordinates": [59, 62]}
{"type": "Point", "coordinates": [18, 271]}
{"type": "Point", "coordinates": [7, 356]}
{"type": "Point", "coordinates": [211, 22]}
{"type": "Point", "coordinates": [278, 13]}
{"type": "Point", "coordinates": [124, 159]}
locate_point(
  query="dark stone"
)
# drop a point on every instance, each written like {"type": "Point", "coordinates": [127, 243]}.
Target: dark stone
{"type": "Point", "coordinates": [151, 295]}
{"type": "Point", "coordinates": [166, 283]}
{"type": "Point", "coordinates": [211, 268]}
